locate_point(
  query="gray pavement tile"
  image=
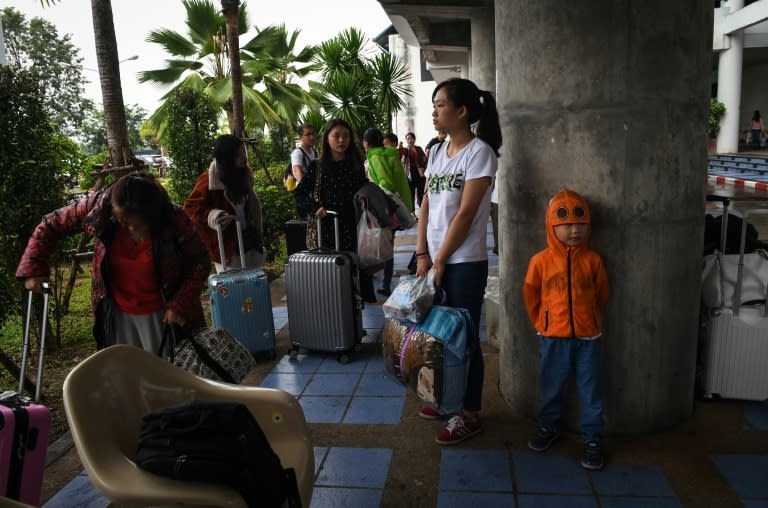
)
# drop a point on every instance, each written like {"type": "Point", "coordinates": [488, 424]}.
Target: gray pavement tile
{"type": "Point", "coordinates": [324, 497]}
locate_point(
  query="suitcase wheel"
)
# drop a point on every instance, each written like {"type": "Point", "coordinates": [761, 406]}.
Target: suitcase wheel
{"type": "Point", "coordinates": [293, 354]}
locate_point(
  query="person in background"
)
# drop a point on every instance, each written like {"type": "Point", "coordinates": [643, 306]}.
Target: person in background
{"type": "Point", "coordinates": [440, 138]}
{"type": "Point", "coordinates": [453, 225]}
{"type": "Point", "coordinates": [149, 263]}
{"type": "Point", "coordinates": [386, 171]}
{"type": "Point", "coordinates": [415, 164]}
{"type": "Point", "coordinates": [565, 287]}
{"type": "Point", "coordinates": [227, 189]}
{"type": "Point", "coordinates": [331, 184]}
{"type": "Point", "coordinates": [305, 153]}
{"type": "Point", "coordinates": [495, 216]}
{"type": "Point", "coordinates": [756, 126]}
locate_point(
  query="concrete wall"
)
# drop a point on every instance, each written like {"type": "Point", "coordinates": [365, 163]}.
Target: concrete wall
{"type": "Point", "coordinates": [417, 115]}
{"type": "Point", "coordinates": [610, 101]}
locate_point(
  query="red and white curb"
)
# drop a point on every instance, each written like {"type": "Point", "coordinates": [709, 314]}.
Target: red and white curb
{"type": "Point", "coordinates": [737, 182]}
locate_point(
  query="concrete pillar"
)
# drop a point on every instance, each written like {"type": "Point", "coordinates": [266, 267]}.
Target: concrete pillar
{"type": "Point", "coordinates": [610, 101]}
{"type": "Point", "coordinates": [3, 59]}
{"type": "Point", "coordinates": [483, 58]}
{"type": "Point", "coordinates": [729, 70]}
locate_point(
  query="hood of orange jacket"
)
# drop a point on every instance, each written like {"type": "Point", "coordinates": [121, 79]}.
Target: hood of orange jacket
{"type": "Point", "coordinates": [566, 285]}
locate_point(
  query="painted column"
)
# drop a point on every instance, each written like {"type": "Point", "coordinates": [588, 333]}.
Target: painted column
{"type": "Point", "coordinates": [729, 70]}
{"type": "Point", "coordinates": [609, 101]}
{"type": "Point", "coordinates": [483, 57]}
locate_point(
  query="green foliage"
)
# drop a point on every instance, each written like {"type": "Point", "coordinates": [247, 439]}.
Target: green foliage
{"type": "Point", "coordinates": [269, 62]}
{"type": "Point", "coordinates": [190, 136]}
{"type": "Point", "coordinates": [716, 112]}
{"type": "Point", "coordinates": [94, 129]}
{"type": "Point", "coordinates": [358, 86]}
{"type": "Point", "coordinates": [34, 165]}
{"type": "Point", "coordinates": [278, 207]}
{"type": "Point", "coordinates": [53, 60]}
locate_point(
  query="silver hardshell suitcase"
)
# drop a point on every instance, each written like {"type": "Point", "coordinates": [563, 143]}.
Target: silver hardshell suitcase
{"type": "Point", "coordinates": [324, 303]}
{"type": "Point", "coordinates": [736, 352]}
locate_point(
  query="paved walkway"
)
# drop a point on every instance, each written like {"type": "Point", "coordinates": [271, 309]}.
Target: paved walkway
{"type": "Point", "coordinates": [372, 450]}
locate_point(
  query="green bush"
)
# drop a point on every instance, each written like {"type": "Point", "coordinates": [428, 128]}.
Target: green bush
{"type": "Point", "coordinates": [190, 134]}
{"type": "Point", "coordinates": [278, 207]}
{"type": "Point", "coordinates": [716, 112]}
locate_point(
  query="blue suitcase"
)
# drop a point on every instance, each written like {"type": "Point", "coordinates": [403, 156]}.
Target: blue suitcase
{"type": "Point", "coordinates": [240, 300]}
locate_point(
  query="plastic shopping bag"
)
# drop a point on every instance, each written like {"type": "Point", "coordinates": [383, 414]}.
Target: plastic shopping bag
{"type": "Point", "coordinates": [374, 243]}
{"type": "Point", "coordinates": [411, 299]}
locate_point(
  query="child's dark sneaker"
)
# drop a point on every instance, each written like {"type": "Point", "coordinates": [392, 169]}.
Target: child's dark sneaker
{"type": "Point", "coordinates": [428, 413]}
{"type": "Point", "coordinates": [543, 439]}
{"type": "Point", "coordinates": [459, 428]}
{"type": "Point", "coordinates": [593, 456]}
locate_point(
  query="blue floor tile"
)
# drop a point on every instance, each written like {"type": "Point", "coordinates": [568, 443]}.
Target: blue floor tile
{"type": "Point", "coordinates": [549, 474]}
{"type": "Point", "coordinates": [356, 363]}
{"type": "Point", "coordinates": [755, 503]}
{"type": "Point", "coordinates": [319, 452]}
{"type": "Point", "coordinates": [529, 501]}
{"type": "Point", "coordinates": [618, 480]}
{"type": "Point", "coordinates": [355, 467]}
{"type": "Point", "coordinates": [747, 474]}
{"type": "Point", "coordinates": [291, 383]}
{"type": "Point", "coordinates": [332, 384]}
{"type": "Point", "coordinates": [79, 492]}
{"type": "Point", "coordinates": [375, 410]}
{"type": "Point", "coordinates": [378, 385]}
{"type": "Point", "coordinates": [375, 364]}
{"type": "Point", "coordinates": [756, 414]}
{"type": "Point", "coordinates": [324, 409]}
{"type": "Point", "coordinates": [303, 363]}
{"type": "Point", "coordinates": [554, 501]}
{"type": "Point", "coordinates": [639, 502]}
{"type": "Point", "coordinates": [477, 499]}
{"type": "Point", "coordinates": [476, 470]}
{"type": "Point", "coordinates": [323, 497]}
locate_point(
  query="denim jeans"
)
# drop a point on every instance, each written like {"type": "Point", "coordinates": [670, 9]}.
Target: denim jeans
{"type": "Point", "coordinates": [558, 358]}
{"type": "Point", "coordinates": [464, 284]}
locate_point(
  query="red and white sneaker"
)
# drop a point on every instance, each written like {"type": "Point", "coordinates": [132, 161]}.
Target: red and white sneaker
{"type": "Point", "coordinates": [428, 413]}
{"type": "Point", "coordinates": [458, 429]}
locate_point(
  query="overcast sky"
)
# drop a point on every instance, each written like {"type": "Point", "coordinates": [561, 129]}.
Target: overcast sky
{"type": "Point", "coordinates": [318, 20]}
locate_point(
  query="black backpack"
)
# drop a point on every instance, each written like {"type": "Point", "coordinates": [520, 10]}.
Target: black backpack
{"type": "Point", "coordinates": [216, 442]}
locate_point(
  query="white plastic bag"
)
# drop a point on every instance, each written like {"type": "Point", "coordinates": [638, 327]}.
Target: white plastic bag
{"type": "Point", "coordinates": [411, 299]}
{"type": "Point", "coordinates": [374, 243]}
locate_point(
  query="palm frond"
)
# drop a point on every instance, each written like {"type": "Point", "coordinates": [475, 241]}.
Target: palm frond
{"type": "Point", "coordinates": [172, 42]}
{"type": "Point", "coordinates": [203, 19]}
{"type": "Point", "coordinates": [170, 74]}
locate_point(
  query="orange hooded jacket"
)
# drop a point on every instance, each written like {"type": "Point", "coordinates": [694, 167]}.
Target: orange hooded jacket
{"type": "Point", "coordinates": [566, 286]}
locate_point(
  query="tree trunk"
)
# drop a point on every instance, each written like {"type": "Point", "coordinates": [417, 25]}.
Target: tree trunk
{"type": "Point", "coordinates": [111, 89]}
{"type": "Point", "coordinates": [230, 9]}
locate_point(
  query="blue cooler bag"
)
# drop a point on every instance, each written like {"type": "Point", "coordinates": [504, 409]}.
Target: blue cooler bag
{"type": "Point", "coordinates": [431, 357]}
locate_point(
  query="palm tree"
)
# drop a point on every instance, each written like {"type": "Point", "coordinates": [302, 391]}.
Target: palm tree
{"type": "Point", "coordinates": [361, 87]}
{"type": "Point", "coordinates": [230, 9]}
{"type": "Point", "coordinates": [200, 60]}
{"type": "Point", "coordinates": [120, 152]}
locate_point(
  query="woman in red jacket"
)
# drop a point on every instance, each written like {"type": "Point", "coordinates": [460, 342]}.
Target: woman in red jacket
{"type": "Point", "coordinates": [149, 264]}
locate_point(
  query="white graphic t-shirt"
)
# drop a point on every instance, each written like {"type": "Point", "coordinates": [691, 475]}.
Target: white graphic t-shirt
{"type": "Point", "coordinates": [445, 183]}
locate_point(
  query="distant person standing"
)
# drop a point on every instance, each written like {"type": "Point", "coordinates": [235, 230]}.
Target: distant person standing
{"type": "Point", "coordinates": [757, 127]}
{"type": "Point", "coordinates": [302, 156]}
{"type": "Point", "coordinates": [415, 164]}
{"type": "Point", "coordinates": [440, 138]}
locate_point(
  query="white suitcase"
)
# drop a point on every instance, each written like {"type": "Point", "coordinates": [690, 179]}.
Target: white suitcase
{"type": "Point", "coordinates": [736, 353]}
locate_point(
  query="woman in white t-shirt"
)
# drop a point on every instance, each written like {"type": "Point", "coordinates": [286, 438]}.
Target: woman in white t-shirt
{"type": "Point", "coordinates": [453, 222]}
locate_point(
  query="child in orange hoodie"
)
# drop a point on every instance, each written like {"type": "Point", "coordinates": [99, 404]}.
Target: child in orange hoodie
{"type": "Point", "coordinates": [564, 288]}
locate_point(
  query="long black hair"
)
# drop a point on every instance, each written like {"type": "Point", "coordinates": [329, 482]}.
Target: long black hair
{"type": "Point", "coordinates": [481, 107]}
{"type": "Point", "coordinates": [141, 195]}
{"type": "Point", "coordinates": [373, 137]}
{"type": "Point", "coordinates": [352, 156]}
{"type": "Point", "coordinates": [756, 116]}
{"type": "Point", "coordinates": [225, 151]}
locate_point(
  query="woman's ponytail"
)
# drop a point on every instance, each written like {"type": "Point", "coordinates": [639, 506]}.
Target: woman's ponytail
{"type": "Point", "coordinates": [488, 127]}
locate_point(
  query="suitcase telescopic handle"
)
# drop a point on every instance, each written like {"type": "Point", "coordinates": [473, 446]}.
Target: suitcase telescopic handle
{"type": "Point", "coordinates": [740, 272]}
{"type": "Point", "coordinates": [335, 216]}
{"type": "Point", "coordinates": [220, 233]}
{"type": "Point", "coordinates": [46, 287]}
{"type": "Point", "coordinates": [724, 229]}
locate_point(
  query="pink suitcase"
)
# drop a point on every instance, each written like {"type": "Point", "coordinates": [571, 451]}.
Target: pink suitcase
{"type": "Point", "coordinates": [24, 428]}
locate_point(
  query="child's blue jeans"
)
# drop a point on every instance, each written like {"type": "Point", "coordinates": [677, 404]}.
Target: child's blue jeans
{"type": "Point", "coordinates": [558, 358]}
{"type": "Point", "coordinates": [464, 284]}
